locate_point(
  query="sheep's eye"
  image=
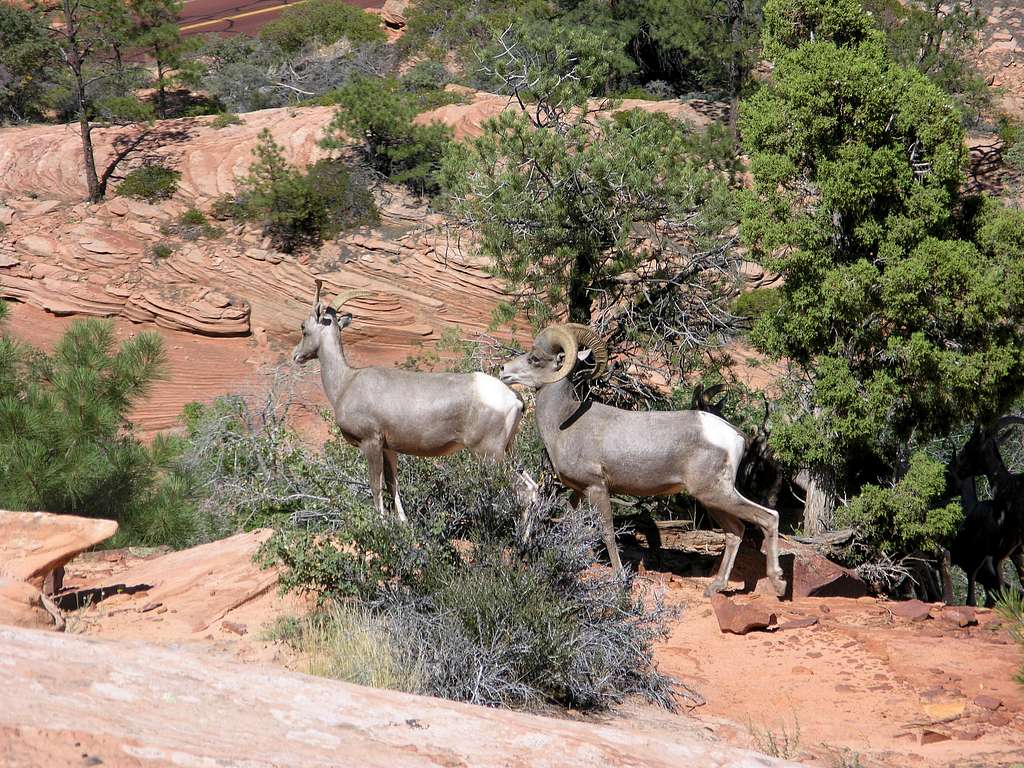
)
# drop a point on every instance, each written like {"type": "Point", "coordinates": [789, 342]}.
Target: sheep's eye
{"type": "Point", "coordinates": [533, 360]}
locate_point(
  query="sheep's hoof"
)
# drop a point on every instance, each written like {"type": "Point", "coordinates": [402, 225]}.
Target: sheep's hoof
{"type": "Point", "coordinates": [714, 587]}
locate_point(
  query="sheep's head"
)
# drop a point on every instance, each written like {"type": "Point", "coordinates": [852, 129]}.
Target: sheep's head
{"type": "Point", "coordinates": [323, 323]}
{"type": "Point", "coordinates": [556, 353]}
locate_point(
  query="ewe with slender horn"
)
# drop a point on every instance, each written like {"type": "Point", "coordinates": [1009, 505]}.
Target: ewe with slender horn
{"type": "Point", "coordinates": [597, 450]}
{"type": "Point", "coordinates": [387, 411]}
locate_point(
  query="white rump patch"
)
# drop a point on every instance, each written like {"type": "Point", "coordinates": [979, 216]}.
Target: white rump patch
{"type": "Point", "coordinates": [720, 433]}
{"type": "Point", "coordinates": [494, 394]}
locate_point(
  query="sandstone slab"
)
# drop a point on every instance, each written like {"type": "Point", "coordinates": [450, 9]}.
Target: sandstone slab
{"type": "Point", "coordinates": [129, 703]}
{"type": "Point", "coordinates": [34, 543]}
{"type": "Point", "coordinates": [202, 584]}
{"type": "Point", "coordinates": [21, 605]}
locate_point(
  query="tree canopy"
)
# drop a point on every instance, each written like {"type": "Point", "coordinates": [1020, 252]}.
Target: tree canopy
{"type": "Point", "coordinates": [903, 299]}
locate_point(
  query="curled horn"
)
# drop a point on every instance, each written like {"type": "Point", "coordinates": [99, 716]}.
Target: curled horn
{"type": "Point", "coordinates": [1004, 423]}
{"type": "Point", "coordinates": [348, 295]}
{"type": "Point", "coordinates": [587, 338]}
{"type": "Point", "coordinates": [561, 338]}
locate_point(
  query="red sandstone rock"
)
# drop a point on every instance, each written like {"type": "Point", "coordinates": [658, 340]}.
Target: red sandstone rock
{"type": "Point", "coordinates": [135, 703]}
{"type": "Point", "coordinates": [808, 572]}
{"type": "Point", "coordinates": [741, 618]}
{"type": "Point", "coordinates": [21, 605]}
{"type": "Point", "coordinates": [911, 610]}
{"type": "Point", "coordinates": [34, 543]}
{"type": "Point", "coordinates": [960, 615]}
{"type": "Point", "coordinates": [988, 702]}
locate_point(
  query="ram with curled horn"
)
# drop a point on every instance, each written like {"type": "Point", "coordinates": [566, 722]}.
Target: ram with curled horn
{"type": "Point", "coordinates": [597, 450]}
{"type": "Point", "coordinates": [388, 411]}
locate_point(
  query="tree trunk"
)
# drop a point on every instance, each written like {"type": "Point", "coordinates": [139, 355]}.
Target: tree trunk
{"type": "Point", "coordinates": [735, 13]}
{"type": "Point", "coordinates": [579, 298]}
{"type": "Point", "coordinates": [161, 96]}
{"type": "Point", "coordinates": [92, 181]}
{"type": "Point", "coordinates": [821, 502]}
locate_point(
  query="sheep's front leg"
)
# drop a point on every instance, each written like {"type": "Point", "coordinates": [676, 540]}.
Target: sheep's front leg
{"type": "Point", "coordinates": [374, 454]}
{"type": "Point", "coordinates": [598, 496]}
{"type": "Point", "coordinates": [391, 479]}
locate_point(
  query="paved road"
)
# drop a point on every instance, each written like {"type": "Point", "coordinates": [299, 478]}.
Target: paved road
{"type": "Point", "coordinates": [240, 16]}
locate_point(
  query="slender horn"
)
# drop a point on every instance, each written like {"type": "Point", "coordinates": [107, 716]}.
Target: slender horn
{"type": "Point", "coordinates": [348, 295]}
{"type": "Point", "coordinates": [560, 337]}
{"type": "Point", "coordinates": [587, 338]}
{"type": "Point", "coordinates": [317, 309]}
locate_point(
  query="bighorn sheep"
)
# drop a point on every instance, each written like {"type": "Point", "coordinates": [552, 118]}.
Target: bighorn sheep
{"type": "Point", "coordinates": [993, 529]}
{"type": "Point", "coordinates": [597, 450]}
{"type": "Point", "coordinates": [387, 411]}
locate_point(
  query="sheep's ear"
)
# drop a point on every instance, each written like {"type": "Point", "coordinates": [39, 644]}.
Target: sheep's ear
{"type": "Point", "coordinates": [327, 316]}
{"type": "Point", "coordinates": [584, 355]}
{"type": "Point", "coordinates": [344, 320]}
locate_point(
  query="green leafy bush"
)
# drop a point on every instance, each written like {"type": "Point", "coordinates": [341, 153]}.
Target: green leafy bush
{"type": "Point", "coordinates": [150, 183]}
{"type": "Point", "coordinates": [376, 115]}
{"type": "Point", "coordinates": [224, 119]}
{"type": "Point", "coordinates": [67, 446]}
{"type": "Point", "coordinates": [192, 225]}
{"type": "Point", "coordinates": [299, 209]}
{"type": "Point", "coordinates": [322, 22]}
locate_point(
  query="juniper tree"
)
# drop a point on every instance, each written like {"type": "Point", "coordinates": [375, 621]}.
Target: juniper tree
{"type": "Point", "coordinates": [902, 303]}
{"type": "Point", "coordinates": [601, 218]}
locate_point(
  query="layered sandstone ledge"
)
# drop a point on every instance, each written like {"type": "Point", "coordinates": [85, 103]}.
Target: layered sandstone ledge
{"type": "Point", "coordinates": [70, 257]}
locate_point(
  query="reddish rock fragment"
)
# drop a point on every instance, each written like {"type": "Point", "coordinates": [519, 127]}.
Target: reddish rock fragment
{"type": "Point", "coordinates": [911, 610]}
{"type": "Point", "coordinates": [808, 621]}
{"type": "Point", "coordinates": [741, 619]}
{"type": "Point", "coordinates": [988, 702]}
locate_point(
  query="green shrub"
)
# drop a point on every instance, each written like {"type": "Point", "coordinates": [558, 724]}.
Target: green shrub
{"type": "Point", "coordinates": [67, 446]}
{"type": "Point", "coordinates": [299, 209]}
{"type": "Point", "coordinates": [1010, 606]}
{"type": "Point", "coordinates": [150, 183]}
{"type": "Point", "coordinates": [224, 119]}
{"type": "Point", "coordinates": [192, 225]}
{"type": "Point", "coordinates": [377, 115]}
{"type": "Point", "coordinates": [757, 302]}
{"type": "Point", "coordinates": [453, 604]}
{"type": "Point", "coordinates": [322, 22]}
{"type": "Point", "coordinates": [161, 251]}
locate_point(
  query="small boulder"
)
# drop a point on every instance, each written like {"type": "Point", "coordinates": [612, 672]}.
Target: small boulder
{"type": "Point", "coordinates": [393, 13]}
{"type": "Point", "coordinates": [910, 610]}
{"type": "Point", "coordinates": [928, 736]}
{"type": "Point", "coordinates": [740, 619]}
{"type": "Point", "coordinates": [960, 615]}
{"type": "Point", "coordinates": [985, 701]}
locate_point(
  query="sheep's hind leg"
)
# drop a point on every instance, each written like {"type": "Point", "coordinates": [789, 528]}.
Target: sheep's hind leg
{"type": "Point", "coordinates": [391, 480]}
{"type": "Point", "coordinates": [374, 454]}
{"type": "Point", "coordinates": [736, 505]}
{"type": "Point", "coordinates": [598, 496]}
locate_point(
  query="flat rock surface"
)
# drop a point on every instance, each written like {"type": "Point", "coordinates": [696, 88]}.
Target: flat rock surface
{"type": "Point", "coordinates": [131, 703]}
{"type": "Point", "coordinates": [34, 543]}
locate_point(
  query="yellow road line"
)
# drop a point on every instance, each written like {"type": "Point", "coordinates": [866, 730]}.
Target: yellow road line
{"type": "Point", "coordinates": [257, 12]}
